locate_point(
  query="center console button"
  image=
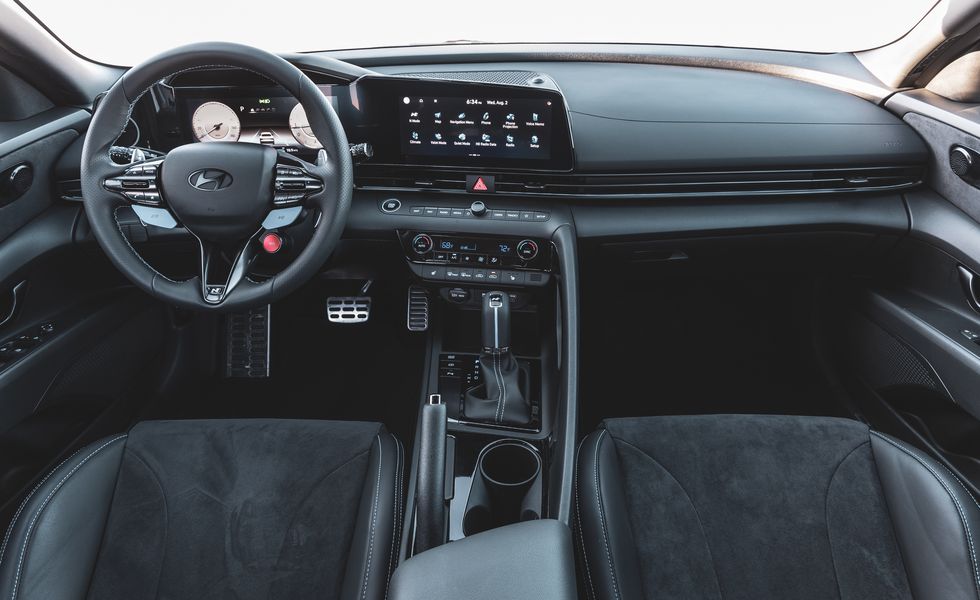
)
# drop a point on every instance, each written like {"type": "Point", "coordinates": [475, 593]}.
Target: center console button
{"type": "Point", "coordinates": [422, 243]}
{"type": "Point", "coordinates": [391, 205]}
{"type": "Point", "coordinates": [514, 277]}
{"type": "Point", "coordinates": [527, 215]}
{"type": "Point", "coordinates": [459, 295]}
{"type": "Point", "coordinates": [478, 208]}
{"type": "Point", "coordinates": [454, 257]}
{"type": "Point", "coordinates": [436, 273]}
{"type": "Point", "coordinates": [466, 273]}
{"type": "Point", "coordinates": [452, 273]}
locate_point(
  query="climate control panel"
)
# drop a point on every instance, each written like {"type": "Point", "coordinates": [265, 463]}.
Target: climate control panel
{"type": "Point", "coordinates": [478, 259]}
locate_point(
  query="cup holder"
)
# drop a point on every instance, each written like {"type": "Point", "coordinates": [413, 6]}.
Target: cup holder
{"type": "Point", "coordinates": [506, 487]}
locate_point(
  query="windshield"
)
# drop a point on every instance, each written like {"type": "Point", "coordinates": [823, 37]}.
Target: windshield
{"type": "Point", "coordinates": [123, 32]}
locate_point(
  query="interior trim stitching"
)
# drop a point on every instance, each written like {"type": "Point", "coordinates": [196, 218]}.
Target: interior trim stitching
{"type": "Point", "coordinates": [394, 522]}
{"type": "Point", "coordinates": [166, 515]}
{"type": "Point", "coordinates": [826, 512]}
{"type": "Point", "coordinates": [20, 509]}
{"type": "Point", "coordinates": [962, 485]}
{"type": "Point", "coordinates": [581, 531]}
{"type": "Point", "coordinates": [44, 504]}
{"type": "Point", "coordinates": [956, 502]}
{"type": "Point", "coordinates": [115, 217]}
{"type": "Point", "coordinates": [697, 514]}
{"type": "Point", "coordinates": [374, 521]}
{"type": "Point", "coordinates": [602, 514]}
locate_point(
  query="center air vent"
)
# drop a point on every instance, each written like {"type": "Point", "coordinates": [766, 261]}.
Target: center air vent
{"type": "Point", "coordinates": [654, 185]}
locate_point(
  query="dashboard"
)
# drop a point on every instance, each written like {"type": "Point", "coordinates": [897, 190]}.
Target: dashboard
{"type": "Point", "coordinates": [403, 120]}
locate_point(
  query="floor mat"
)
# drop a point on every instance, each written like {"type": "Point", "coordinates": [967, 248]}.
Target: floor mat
{"type": "Point", "coordinates": [319, 370]}
{"type": "Point", "coordinates": [701, 346]}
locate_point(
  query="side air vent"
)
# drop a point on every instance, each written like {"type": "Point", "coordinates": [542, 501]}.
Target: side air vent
{"type": "Point", "coordinates": [70, 190]}
{"type": "Point", "coordinates": [655, 185]}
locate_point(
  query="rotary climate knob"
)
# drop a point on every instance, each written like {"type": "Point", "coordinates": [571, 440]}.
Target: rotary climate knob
{"type": "Point", "coordinates": [527, 249]}
{"type": "Point", "coordinates": [422, 243]}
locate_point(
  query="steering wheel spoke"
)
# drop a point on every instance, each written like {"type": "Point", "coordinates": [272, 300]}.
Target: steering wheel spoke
{"type": "Point", "coordinates": [218, 280]}
{"type": "Point", "coordinates": [296, 181]}
{"type": "Point", "coordinates": [139, 183]}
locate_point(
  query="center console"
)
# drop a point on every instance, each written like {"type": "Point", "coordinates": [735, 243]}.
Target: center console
{"type": "Point", "coordinates": [491, 272]}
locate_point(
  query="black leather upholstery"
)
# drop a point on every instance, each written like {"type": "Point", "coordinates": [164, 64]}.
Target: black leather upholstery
{"type": "Point", "coordinates": [769, 507]}
{"type": "Point", "coordinates": [214, 509]}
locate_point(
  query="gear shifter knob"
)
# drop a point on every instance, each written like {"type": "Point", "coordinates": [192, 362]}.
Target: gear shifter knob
{"type": "Point", "coordinates": [496, 321]}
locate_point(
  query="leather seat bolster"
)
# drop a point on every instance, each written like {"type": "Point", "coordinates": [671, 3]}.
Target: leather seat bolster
{"type": "Point", "coordinates": [374, 549]}
{"type": "Point", "coordinates": [50, 549]}
{"type": "Point", "coordinates": [936, 521]}
{"type": "Point", "coordinates": [609, 558]}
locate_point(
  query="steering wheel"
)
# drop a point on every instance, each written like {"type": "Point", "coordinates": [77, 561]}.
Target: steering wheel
{"type": "Point", "coordinates": [226, 194]}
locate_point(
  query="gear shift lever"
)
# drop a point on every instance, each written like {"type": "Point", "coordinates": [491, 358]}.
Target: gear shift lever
{"type": "Point", "coordinates": [500, 399]}
{"type": "Point", "coordinates": [496, 322]}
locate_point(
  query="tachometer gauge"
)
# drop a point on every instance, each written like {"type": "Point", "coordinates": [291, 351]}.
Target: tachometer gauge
{"type": "Point", "coordinates": [216, 122]}
{"type": "Point", "coordinates": [300, 126]}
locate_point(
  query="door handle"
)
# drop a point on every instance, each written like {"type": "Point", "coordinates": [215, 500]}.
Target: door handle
{"type": "Point", "coordinates": [9, 305]}
{"type": "Point", "coordinates": [970, 281]}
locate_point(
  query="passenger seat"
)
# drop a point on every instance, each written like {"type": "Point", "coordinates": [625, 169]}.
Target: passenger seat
{"type": "Point", "coordinates": [757, 507]}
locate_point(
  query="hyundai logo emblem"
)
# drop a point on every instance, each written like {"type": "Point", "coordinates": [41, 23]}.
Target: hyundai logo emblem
{"type": "Point", "coordinates": [209, 180]}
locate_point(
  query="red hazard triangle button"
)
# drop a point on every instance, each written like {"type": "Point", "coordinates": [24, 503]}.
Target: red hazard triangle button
{"type": "Point", "coordinates": [480, 183]}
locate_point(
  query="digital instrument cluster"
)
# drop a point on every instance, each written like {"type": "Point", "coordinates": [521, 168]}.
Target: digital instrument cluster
{"type": "Point", "coordinates": [278, 121]}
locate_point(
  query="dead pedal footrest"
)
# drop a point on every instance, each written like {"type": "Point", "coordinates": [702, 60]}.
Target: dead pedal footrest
{"type": "Point", "coordinates": [418, 308]}
{"type": "Point", "coordinates": [348, 310]}
{"type": "Point", "coordinates": [247, 336]}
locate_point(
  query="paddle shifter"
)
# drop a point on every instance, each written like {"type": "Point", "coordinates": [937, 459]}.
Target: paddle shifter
{"type": "Point", "coordinates": [500, 399]}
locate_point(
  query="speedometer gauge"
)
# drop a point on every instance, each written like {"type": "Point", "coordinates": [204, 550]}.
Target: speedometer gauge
{"type": "Point", "coordinates": [216, 122]}
{"type": "Point", "coordinates": [300, 126]}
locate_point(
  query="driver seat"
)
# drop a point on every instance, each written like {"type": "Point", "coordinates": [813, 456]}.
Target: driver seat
{"type": "Point", "coordinates": [213, 509]}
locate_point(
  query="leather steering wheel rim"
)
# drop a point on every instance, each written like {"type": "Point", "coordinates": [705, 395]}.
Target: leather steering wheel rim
{"type": "Point", "coordinates": [334, 168]}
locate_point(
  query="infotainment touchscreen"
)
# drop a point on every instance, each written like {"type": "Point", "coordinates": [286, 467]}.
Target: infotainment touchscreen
{"type": "Point", "coordinates": [481, 127]}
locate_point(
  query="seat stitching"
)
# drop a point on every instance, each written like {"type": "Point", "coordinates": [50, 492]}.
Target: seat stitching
{"type": "Point", "coordinates": [166, 516]}
{"type": "Point", "coordinates": [959, 508]}
{"type": "Point", "coordinates": [602, 514]}
{"type": "Point", "coordinates": [697, 514]}
{"type": "Point", "coordinates": [30, 527]}
{"type": "Point", "coordinates": [826, 512]}
{"type": "Point", "coordinates": [374, 520]}
{"type": "Point", "coordinates": [965, 489]}
{"type": "Point", "coordinates": [581, 531]}
{"type": "Point", "coordinates": [394, 520]}
{"type": "Point", "coordinates": [23, 505]}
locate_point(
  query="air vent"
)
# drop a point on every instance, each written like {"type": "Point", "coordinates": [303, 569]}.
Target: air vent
{"type": "Point", "coordinates": [496, 77]}
{"type": "Point", "coordinates": [70, 190]}
{"type": "Point", "coordinates": [654, 185]}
